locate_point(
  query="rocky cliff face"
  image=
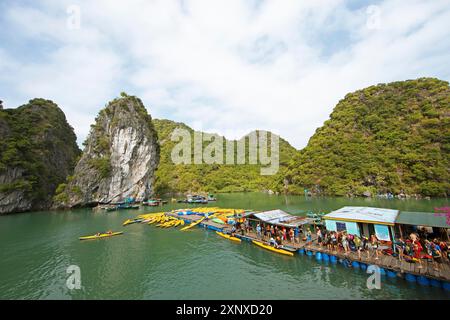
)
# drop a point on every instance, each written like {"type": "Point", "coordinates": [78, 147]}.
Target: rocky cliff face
{"type": "Point", "coordinates": [119, 160]}
{"type": "Point", "coordinates": [37, 151]}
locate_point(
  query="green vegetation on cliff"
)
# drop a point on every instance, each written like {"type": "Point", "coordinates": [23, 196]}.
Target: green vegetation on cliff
{"type": "Point", "coordinates": [386, 138]}
{"type": "Point", "coordinates": [174, 178]}
{"type": "Point", "coordinates": [37, 151]}
{"type": "Point", "coordinates": [119, 158]}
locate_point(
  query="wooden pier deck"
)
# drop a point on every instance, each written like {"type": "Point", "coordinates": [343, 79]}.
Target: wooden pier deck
{"type": "Point", "coordinates": [384, 261]}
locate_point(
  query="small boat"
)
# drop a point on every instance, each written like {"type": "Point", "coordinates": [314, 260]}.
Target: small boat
{"type": "Point", "coordinates": [102, 235]}
{"type": "Point", "coordinates": [227, 236]}
{"type": "Point", "coordinates": [127, 206]}
{"type": "Point", "coordinates": [194, 199]}
{"type": "Point", "coordinates": [266, 246]}
{"type": "Point", "coordinates": [154, 202]}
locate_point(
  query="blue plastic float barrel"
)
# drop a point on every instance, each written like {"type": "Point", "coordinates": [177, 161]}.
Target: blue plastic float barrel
{"type": "Point", "coordinates": [355, 264]}
{"type": "Point", "coordinates": [333, 259]}
{"type": "Point", "coordinates": [382, 271]}
{"type": "Point", "coordinates": [423, 281]}
{"type": "Point", "coordinates": [318, 256]}
{"type": "Point", "coordinates": [391, 274]}
{"type": "Point", "coordinates": [325, 257]}
{"type": "Point", "coordinates": [435, 283]}
{"type": "Point", "coordinates": [446, 286]}
{"type": "Point", "coordinates": [309, 253]}
{"type": "Point", "coordinates": [363, 266]}
{"type": "Point", "coordinates": [301, 251]}
{"type": "Point", "coordinates": [410, 277]}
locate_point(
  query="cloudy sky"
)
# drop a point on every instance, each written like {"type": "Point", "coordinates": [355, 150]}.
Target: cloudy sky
{"type": "Point", "coordinates": [219, 66]}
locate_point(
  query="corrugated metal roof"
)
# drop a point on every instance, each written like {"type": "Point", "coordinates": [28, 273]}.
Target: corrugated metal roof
{"type": "Point", "coordinates": [279, 217]}
{"type": "Point", "coordinates": [427, 219]}
{"type": "Point", "coordinates": [364, 214]}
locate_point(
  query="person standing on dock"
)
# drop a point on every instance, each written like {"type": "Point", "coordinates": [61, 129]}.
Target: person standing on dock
{"type": "Point", "coordinates": [308, 238]}
{"type": "Point", "coordinates": [345, 243]}
{"type": "Point", "coordinates": [292, 235]}
{"type": "Point", "coordinates": [334, 241]}
{"type": "Point", "coordinates": [258, 231]}
{"type": "Point", "coordinates": [437, 256]}
{"type": "Point", "coordinates": [247, 226]}
{"type": "Point", "coordinates": [374, 243]}
{"type": "Point", "coordinates": [327, 239]}
{"type": "Point", "coordinates": [367, 246]}
{"type": "Point", "coordinates": [297, 235]}
{"type": "Point", "coordinates": [400, 246]}
{"type": "Point", "coordinates": [417, 252]}
{"type": "Point", "coordinates": [319, 235]}
{"type": "Point", "coordinates": [358, 245]}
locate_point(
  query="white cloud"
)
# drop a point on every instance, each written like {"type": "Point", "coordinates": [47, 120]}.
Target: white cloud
{"type": "Point", "coordinates": [225, 66]}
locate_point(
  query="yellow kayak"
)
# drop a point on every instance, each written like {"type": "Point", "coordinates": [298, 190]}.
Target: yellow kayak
{"type": "Point", "coordinates": [227, 236]}
{"type": "Point", "coordinates": [265, 246]}
{"type": "Point", "coordinates": [193, 224]}
{"type": "Point", "coordinates": [131, 221]}
{"type": "Point", "coordinates": [102, 235]}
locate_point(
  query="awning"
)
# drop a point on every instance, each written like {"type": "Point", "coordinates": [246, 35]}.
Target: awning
{"type": "Point", "coordinates": [426, 219]}
{"type": "Point", "coordinates": [364, 215]}
{"type": "Point", "coordinates": [281, 218]}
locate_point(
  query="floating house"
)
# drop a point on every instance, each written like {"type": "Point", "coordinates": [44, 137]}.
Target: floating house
{"type": "Point", "coordinates": [363, 221]}
{"type": "Point", "coordinates": [279, 218]}
{"type": "Point", "coordinates": [386, 224]}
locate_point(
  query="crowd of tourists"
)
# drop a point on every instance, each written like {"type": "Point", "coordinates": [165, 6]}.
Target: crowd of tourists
{"type": "Point", "coordinates": [418, 247]}
{"type": "Point", "coordinates": [415, 248]}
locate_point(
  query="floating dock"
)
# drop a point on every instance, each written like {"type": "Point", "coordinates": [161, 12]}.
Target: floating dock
{"type": "Point", "coordinates": [389, 266]}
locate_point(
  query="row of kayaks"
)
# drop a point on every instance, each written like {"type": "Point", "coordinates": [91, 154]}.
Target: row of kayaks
{"type": "Point", "coordinates": [226, 236]}
{"type": "Point", "coordinates": [160, 219]}
{"type": "Point", "coordinates": [164, 220]}
{"type": "Point", "coordinates": [213, 214]}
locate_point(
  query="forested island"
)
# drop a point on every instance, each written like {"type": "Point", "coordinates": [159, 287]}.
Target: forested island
{"type": "Point", "coordinates": [385, 139]}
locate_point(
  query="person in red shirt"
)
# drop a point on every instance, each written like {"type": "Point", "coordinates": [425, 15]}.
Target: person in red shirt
{"type": "Point", "coordinates": [417, 252]}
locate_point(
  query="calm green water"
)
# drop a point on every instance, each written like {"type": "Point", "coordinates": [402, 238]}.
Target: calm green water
{"type": "Point", "coordinates": [152, 263]}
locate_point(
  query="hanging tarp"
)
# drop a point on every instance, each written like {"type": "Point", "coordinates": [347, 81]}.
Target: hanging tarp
{"type": "Point", "coordinates": [382, 232]}
{"type": "Point", "coordinates": [364, 215]}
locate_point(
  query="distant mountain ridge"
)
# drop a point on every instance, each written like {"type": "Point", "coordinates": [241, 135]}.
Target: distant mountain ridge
{"type": "Point", "coordinates": [181, 178]}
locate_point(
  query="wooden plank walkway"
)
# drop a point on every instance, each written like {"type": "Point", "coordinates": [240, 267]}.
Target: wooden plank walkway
{"type": "Point", "coordinates": [384, 261]}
